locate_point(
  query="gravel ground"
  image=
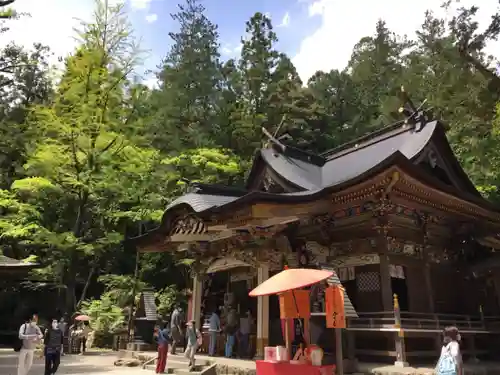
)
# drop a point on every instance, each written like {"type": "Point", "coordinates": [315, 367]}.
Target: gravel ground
{"type": "Point", "coordinates": [90, 364]}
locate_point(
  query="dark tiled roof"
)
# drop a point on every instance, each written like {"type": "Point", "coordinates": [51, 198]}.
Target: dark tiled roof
{"type": "Point", "coordinates": [14, 263]}
{"type": "Point", "coordinates": [348, 163]}
{"type": "Point", "coordinates": [201, 202]}
{"type": "Point", "coordinates": [149, 305]}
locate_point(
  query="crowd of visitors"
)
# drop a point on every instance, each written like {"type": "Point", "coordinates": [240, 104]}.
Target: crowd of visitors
{"type": "Point", "coordinates": [237, 330]}
{"type": "Point", "coordinates": [57, 339]}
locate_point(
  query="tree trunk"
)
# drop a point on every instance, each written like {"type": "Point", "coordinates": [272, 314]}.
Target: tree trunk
{"type": "Point", "coordinates": [87, 284]}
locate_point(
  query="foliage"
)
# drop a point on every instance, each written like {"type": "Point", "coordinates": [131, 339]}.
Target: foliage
{"type": "Point", "coordinates": [167, 298]}
{"type": "Point", "coordinates": [105, 315]}
{"type": "Point", "coordinates": [95, 157]}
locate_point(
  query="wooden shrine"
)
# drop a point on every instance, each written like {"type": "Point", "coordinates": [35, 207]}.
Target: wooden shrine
{"type": "Point", "coordinates": [393, 213]}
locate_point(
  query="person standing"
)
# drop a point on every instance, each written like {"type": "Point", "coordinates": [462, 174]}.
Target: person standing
{"type": "Point", "coordinates": [176, 329]}
{"type": "Point", "coordinates": [53, 343]}
{"type": "Point", "coordinates": [450, 362]}
{"type": "Point", "coordinates": [162, 336]}
{"type": "Point", "coordinates": [231, 329]}
{"type": "Point", "coordinates": [63, 326]}
{"type": "Point", "coordinates": [30, 334]}
{"type": "Point", "coordinates": [213, 331]}
{"type": "Point", "coordinates": [245, 328]}
{"type": "Point", "coordinates": [85, 335]}
{"type": "Point", "coordinates": [194, 341]}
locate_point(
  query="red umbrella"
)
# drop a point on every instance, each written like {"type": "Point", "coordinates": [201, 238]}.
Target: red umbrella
{"type": "Point", "coordinates": [83, 318]}
{"type": "Point", "coordinates": [289, 279]}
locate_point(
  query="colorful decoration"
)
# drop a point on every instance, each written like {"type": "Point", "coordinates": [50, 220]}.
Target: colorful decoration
{"type": "Point", "coordinates": [334, 301]}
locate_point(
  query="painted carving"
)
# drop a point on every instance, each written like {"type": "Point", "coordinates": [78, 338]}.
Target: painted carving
{"type": "Point", "coordinates": [226, 263]}
{"type": "Point", "coordinates": [188, 224]}
{"type": "Point", "coordinates": [319, 254]}
{"type": "Point", "coordinates": [352, 261]}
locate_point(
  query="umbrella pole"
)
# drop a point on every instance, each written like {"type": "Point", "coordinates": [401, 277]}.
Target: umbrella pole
{"type": "Point", "coordinates": [300, 321]}
{"type": "Point", "coordinates": [287, 338]}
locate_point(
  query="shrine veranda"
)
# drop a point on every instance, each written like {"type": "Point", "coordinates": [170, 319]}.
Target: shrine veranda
{"type": "Point", "coordinates": [393, 213]}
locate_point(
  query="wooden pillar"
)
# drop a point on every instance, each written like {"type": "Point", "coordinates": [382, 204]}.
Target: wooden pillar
{"type": "Point", "coordinates": [196, 301]}
{"type": "Point", "coordinates": [470, 341]}
{"type": "Point", "coordinates": [262, 313]}
{"type": "Point", "coordinates": [428, 285]}
{"type": "Point", "coordinates": [496, 283]}
{"type": "Point", "coordinates": [385, 283]}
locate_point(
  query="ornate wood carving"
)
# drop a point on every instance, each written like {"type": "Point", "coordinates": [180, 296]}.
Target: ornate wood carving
{"type": "Point", "coordinates": [188, 224]}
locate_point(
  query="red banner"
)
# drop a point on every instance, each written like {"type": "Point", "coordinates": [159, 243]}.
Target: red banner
{"type": "Point", "coordinates": [334, 301]}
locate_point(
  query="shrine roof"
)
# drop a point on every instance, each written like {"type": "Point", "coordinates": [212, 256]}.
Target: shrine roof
{"type": "Point", "coordinates": [305, 171]}
{"type": "Point", "coordinates": [350, 163]}
{"type": "Point", "coordinates": [313, 175]}
{"type": "Point", "coordinates": [11, 264]}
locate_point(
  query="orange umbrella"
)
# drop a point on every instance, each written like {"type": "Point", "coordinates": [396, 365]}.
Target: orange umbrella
{"type": "Point", "coordinates": [289, 279]}
{"type": "Point", "coordinates": [83, 318]}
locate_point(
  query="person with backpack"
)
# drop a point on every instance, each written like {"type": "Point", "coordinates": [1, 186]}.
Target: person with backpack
{"type": "Point", "coordinates": [163, 338]}
{"type": "Point", "coordinates": [450, 362]}
{"type": "Point", "coordinates": [53, 346]}
{"type": "Point", "coordinates": [194, 341]}
{"type": "Point", "coordinates": [29, 336]}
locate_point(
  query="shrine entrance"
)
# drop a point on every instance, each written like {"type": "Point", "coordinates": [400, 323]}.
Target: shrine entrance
{"type": "Point", "coordinates": [225, 286]}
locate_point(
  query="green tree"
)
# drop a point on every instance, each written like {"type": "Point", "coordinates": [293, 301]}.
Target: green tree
{"type": "Point", "coordinates": [24, 81]}
{"type": "Point", "coordinates": [87, 176]}
{"type": "Point", "coordinates": [186, 103]}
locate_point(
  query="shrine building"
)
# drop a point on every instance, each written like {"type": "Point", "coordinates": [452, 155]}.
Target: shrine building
{"type": "Point", "coordinates": [393, 213]}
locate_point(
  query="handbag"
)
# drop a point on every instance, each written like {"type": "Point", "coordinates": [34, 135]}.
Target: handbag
{"type": "Point", "coordinates": [18, 344]}
{"type": "Point", "coordinates": [446, 364]}
{"type": "Point", "coordinates": [199, 338]}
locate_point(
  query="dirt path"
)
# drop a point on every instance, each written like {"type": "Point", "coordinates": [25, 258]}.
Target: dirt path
{"type": "Point", "coordinates": [91, 364]}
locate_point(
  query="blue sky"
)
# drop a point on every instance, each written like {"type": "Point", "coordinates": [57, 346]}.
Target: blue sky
{"type": "Point", "coordinates": [316, 34]}
{"type": "Point", "coordinates": [154, 23]}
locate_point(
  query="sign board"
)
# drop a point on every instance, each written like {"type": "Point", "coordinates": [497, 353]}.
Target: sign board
{"type": "Point", "coordinates": [335, 312]}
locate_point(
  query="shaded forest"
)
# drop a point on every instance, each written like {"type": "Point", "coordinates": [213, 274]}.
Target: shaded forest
{"type": "Point", "coordinates": [94, 156]}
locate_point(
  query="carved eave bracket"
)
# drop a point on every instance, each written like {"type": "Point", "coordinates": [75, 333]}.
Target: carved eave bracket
{"type": "Point", "coordinates": [422, 221]}
{"type": "Point", "coordinates": [383, 206]}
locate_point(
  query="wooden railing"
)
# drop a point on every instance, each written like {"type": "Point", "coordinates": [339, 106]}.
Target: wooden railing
{"type": "Point", "coordinates": [386, 321]}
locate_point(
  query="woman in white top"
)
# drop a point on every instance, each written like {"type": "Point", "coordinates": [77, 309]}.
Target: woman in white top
{"type": "Point", "coordinates": [451, 344]}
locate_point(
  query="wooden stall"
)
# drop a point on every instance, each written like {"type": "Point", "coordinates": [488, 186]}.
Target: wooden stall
{"type": "Point", "coordinates": [393, 213]}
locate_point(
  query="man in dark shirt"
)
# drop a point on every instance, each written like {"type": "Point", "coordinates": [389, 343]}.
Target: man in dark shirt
{"type": "Point", "coordinates": [53, 342]}
{"type": "Point", "coordinates": [176, 328]}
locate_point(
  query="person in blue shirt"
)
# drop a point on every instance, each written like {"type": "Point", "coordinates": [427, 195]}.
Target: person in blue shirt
{"type": "Point", "coordinates": [162, 336]}
{"type": "Point", "coordinates": [213, 331]}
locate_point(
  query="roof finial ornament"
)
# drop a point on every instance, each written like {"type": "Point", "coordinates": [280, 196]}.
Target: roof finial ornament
{"type": "Point", "coordinates": [272, 140]}
{"type": "Point", "coordinates": [190, 186]}
{"type": "Point", "coordinates": [415, 116]}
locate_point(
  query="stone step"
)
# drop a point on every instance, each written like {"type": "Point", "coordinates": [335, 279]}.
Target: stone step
{"type": "Point", "coordinates": [179, 371]}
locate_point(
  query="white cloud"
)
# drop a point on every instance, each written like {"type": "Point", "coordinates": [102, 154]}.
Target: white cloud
{"type": "Point", "coordinates": [226, 50]}
{"type": "Point", "coordinates": [150, 18]}
{"type": "Point", "coordinates": [151, 82]}
{"type": "Point", "coordinates": [285, 21]}
{"type": "Point", "coordinates": [238, 48]}
{"type": "Point", "coordinates": [51, 23]}
{"type": "Point", "coordinates": [344, 23]}
{"type": "Point", "coordinates": [140, 4]}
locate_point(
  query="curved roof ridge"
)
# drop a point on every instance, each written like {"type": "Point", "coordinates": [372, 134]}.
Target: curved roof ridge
{"type": "Point", "coordinates": [375, 136]}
